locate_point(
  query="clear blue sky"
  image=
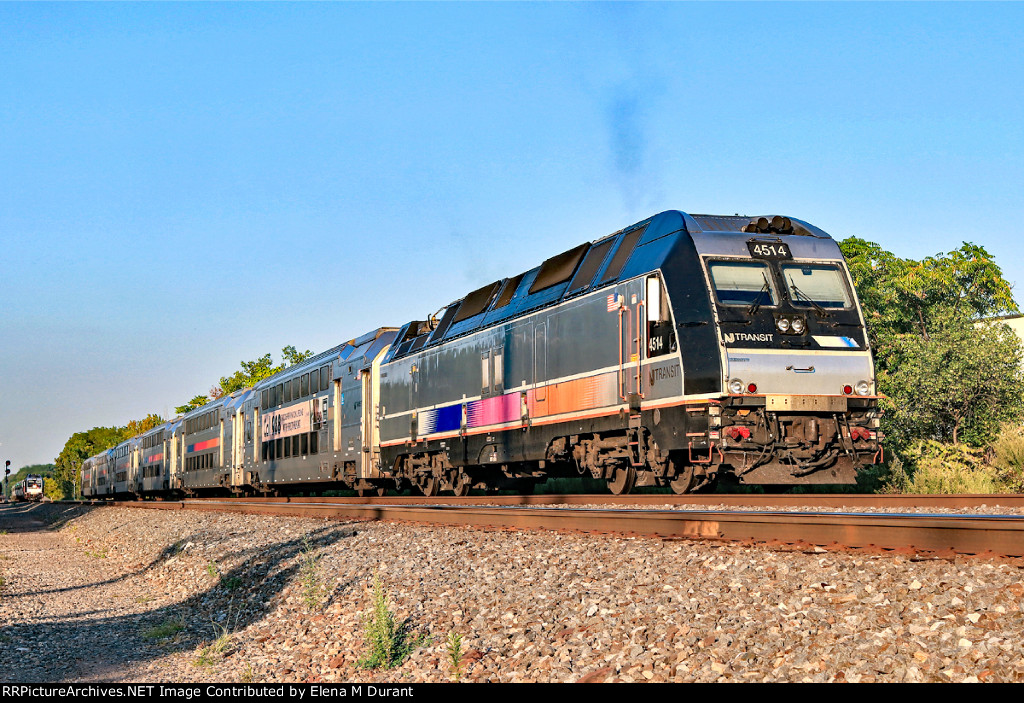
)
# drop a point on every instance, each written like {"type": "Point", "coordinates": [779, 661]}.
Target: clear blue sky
{"type": "Point", "coordinates": [183, 186]}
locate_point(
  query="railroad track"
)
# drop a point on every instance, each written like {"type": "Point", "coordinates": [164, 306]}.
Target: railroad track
{"type": "Point", "coordinates": [988, 535]}
{"type": "Point", "coordinates": [824, 500]}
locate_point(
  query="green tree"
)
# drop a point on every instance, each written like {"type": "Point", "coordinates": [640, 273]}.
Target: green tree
{"type": "Point", "coordinates": [197, 402]}
{"type": "Point", "coordinates": [137, 427]}
{"type": "Point", "coordinates": [79, 447]}
{"type": "Point", "coordinates": [948, 375]}
{"type": "Point", "coordinates": [251, 373]}
{"type": "Point", "coordinates": [955, 382]}
{"type": "Point", "coordinates": [82, 445]}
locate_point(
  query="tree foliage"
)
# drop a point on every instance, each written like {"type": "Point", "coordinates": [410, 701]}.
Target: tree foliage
{"type": "Point", "coordinates": [251, 373]}
{"type": "Point", "coordinates": [949, 375]}
{"type": "Point", "coordinates": [82, 445]}
{"type": "Point", "coordinates": [197, 402]}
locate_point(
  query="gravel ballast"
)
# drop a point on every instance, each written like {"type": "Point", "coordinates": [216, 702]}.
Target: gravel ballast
{"type": "Point", "coordinates": [121, 595]}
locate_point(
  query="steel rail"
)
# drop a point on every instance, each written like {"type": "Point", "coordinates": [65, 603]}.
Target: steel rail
{"type": "Point", "coordinates": [824, 500]}
{"type": "Point", "coordinates": [995, 535]}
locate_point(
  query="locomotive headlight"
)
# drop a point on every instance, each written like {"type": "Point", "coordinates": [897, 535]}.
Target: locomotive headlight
{"type": "Point", "coordinates": [799, 325]}
{"type": "Point", "coordinates": [863, 387]}
{"type": "Point", "coordinates": [735, 386]}
{"type": "Point", "coordinates": [783, 324]}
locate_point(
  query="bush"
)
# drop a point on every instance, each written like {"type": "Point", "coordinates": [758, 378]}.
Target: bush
{"type": "Point", "coordinates": [1008, 457]}
{"type": "Point", "coordinates": [933, 467]}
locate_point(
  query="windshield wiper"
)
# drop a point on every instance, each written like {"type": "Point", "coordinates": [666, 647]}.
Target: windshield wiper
{"type": "Point", "coordinates": [822, 311]}
{"type": "Point", "coordinates": [756, 305]}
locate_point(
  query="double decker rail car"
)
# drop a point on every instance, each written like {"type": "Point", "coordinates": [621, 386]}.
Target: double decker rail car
{"type": "Point", "coordinates": [94, 475]}
{"type": "Point", "coordinates": [674, 352]}
{"type": "Point", "coordinates": [29, 488]}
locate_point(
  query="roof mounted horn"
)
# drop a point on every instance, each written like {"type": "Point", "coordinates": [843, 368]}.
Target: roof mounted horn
{"type": "Point", "coordinates": [762, 225]}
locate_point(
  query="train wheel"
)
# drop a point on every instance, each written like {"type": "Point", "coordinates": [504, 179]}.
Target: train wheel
{"type": "Point", "coordinates": [685, 481]}
{"type": "Point", "coordinates": [462, 485]}
{"type": "Point", "coordinates": [622, 481]}
{"type": "Point", "coordinates": [428, 486]}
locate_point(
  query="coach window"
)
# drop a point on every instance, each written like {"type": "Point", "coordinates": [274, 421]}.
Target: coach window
{"type": "Point", "coordinates": [304, 387]}
{"type": "Point", "coordinates": [305, 443]}
{"type": "Point", "coordinates": [325, 377]}
{"type": "Point", "coordinates": [280, 393]}
{"type": "Point", "coordinates": [295, 389]}
{"type": "Point", "coordinates": [313, 444]}
{"type": "Point", "coordinates": [287, 392]}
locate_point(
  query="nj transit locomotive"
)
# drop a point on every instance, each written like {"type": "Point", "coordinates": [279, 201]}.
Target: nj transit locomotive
{"type": "Point", "coordinates": [673, 352]}
{"type": "Point", "coordinates": [29, 488]}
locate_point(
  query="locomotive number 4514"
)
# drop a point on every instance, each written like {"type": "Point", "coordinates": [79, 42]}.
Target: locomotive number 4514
{"type": "Point", "coordinates": [769, 250]}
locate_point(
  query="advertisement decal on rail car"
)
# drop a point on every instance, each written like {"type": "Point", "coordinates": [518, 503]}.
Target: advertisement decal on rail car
{"type": "Point", "coordinates": [287, 421]}
{"type": "Point", "coordinates": [295, 419]}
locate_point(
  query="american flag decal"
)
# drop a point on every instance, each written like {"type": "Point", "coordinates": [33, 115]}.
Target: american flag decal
{"type": "Point", "coordinates": [613, 302]}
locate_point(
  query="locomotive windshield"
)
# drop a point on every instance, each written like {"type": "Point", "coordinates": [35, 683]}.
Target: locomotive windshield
{"type": "Point", "coordinates": [742, 283]}
{"type": "Point", "coordinates": [815, 285]}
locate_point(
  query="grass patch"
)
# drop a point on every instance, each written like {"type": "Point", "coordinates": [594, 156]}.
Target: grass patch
{"type": "Point", "coordinates": [230, 583]}
{"type": "Point", "coordinates": [215, 651]}
{"type": "Point", "coordinates": [168, 628]}
{"type": "Point", "coordinates": [99, 553]}
{"type": "Point", "coordinates": [314, 590]}
{"type": "Point", "coordinates": [388, 642]}
{"type": "Point", "coordinates": [455, 654]}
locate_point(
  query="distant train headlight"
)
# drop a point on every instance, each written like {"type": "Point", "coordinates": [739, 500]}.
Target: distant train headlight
{"type": "Point", "coordinates": [735, 386]}
{"type": "Point", "coordinates": [783, 324]}
{"type": "Point", "coordinates": [863, 387]}
{"type": "Point", "coordinates": [799, 325]}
